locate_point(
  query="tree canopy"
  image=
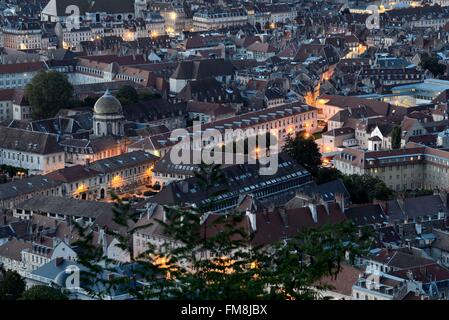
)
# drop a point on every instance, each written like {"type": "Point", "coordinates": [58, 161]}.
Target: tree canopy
{"type": "Point", "coordinates": [305, 151]}
{"type": "Point", "coordinates": [432, 64]}
{"type": "Point", "coordinates": [12, 285]}
{"type": "Point", "coordinates": [127, 95]}
{"type": "Point", "coordinates": [327, 174]}
{"type": "Point", "coordinates": [365, 188]}
{"type": "Point", "coordinates": [48, 92]}
{"type": "Point", "coordinates": [41, 292]}
{"type": "Point", "coordinates": [200, 262]}
{"type": "Point", "coordinates": [396, 137]}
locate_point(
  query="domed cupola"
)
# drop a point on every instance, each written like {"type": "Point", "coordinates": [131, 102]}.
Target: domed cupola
{"type": "Point", "coordinates": [108, 116]}
{"type": "Point", "coordinates": [108, 104]}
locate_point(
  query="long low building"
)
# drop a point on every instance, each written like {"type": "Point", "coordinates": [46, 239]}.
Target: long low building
{"type": "Point", "coordinates": [14, 192]}
{"type": "Point", "coordinates": [101, 178]}
{"type": "Point", "coordinates": [286, 119]}
{"type": "Point", "coordinates": [238, 181]}
{"type": "Point", "coordinates": [62, 208]}
{"type": "Point", "coordinates": [413, 167]}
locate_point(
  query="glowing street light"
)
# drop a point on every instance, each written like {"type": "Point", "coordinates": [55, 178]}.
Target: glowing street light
{"type": "Point", "coordinates": [116, 181]}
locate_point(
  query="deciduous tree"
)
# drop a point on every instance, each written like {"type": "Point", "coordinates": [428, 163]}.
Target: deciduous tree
{"type": "Point", "coordinates": [47, 93]}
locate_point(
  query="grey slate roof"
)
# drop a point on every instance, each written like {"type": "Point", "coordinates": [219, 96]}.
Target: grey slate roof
{"type": "Point", "coordinates": [13, 248]}
{"type": "Point", "coordinates": [367, 215]}
{"type": "Point", "coordinates": [24, 186]}
{"type": "Point", "coordinates": [122, 161]}
{"type": "Point", "coordinates": [28, 141]}
{"type": "Point", "coordinates": [202, 69]}
{"type": "Point", "coordinates": [6, 232]}
{"type": "Point", "coordinates": [239, 179]}
{"type": "Point", "coordinates": [415, 207]}
{"type": "Point", "coordinates": [66, 206]}
{"type": "Point", "coordinates": [50, 270]}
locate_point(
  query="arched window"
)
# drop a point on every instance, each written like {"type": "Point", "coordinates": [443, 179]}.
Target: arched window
{"type": "Point", "coordinates": [109, 128]}
{"type": "Point", "coordinates": [98, 128]}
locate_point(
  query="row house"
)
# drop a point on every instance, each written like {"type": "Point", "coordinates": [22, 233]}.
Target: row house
{"type": "Point", "coordinates": [176, 19]}
{"type": "Point", "coordinates": [62, 208]}
{"type": "Point", "coordinates": [17, 75]}
{"type": "Point", "coordinates": [99, 179]}
{"type": "Point", "coordinates": [272, 14]}
{"type": "Point", "coordinates": [219, 19]}
{"type": "Point", "coordinates": [410, 168]}
{"type": "Point", "coordinates": [390, 76]}
{"type": "Point", "coordinates": [22, 36]}
{"type": "Point", "coordinates": [14, 192]}
{"type": "Point", "coordinates": [330, 106]}
{"type": "Point", "coordinates": [284, 120]}
{"type": "Point", "coordinates": [71, 39]}
{"type": "Point", "coordinates": [85, 151]}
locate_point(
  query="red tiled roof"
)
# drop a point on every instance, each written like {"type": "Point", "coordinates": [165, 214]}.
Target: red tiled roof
{"type": "Point", "coordinates": [21, 67]}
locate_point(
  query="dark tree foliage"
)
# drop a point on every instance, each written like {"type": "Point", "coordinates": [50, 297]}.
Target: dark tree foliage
{"type": "Point", "coordinates": [127, 95]}
{"type": "Point", "coordinates": [213, 257]}
{"type": "Point", "coordinates": [89, 102]}
{"type": "Point", "coordinates": [48, 92]}
{"type": "Point", "coordinates": [147, 96]}
{"type": "Point", "coordinates": [12, 285]}
{"type": "Point", "coordinates": [234, 270]}
{"type": "Point", "coordinates": [327, 174]}
{"type": "Point", "coordinates": [432, 64]}
{"type": "Point", "coordinates": [365, 188]}
{"type": "Point", "coordinates": [305, 151]}
{"type": "Point", "coordinates": [396, 136]}
{"type": "Point", "coordinates": [94, 259]}
{"type": "Point", "coordinates": [44, 293]}
{"type": "Point", "coordinates": [208, 175]}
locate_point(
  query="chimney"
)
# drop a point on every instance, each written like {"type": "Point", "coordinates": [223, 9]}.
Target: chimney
{"type": "Point", "coordinates": [418, 228]}
{"type": "Point", "coordinates": [184, 186]}
{"type": "Point", "coordinates": [401, 202]}
{"type": "Point", "coordinates": [313, 211]}
{"type": "Point", "coordinates": [252, 220]}
{"type": "Point", "coordinates": [444, 198]}
{"type": "Point", "coordinates": [340, 200]}
{"type": "Point", "coordinates": [284, 217]}
{"type": "Point", "coordinates": [100, 236]}
{"type": "Point", "coordinates": [58, 261]}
